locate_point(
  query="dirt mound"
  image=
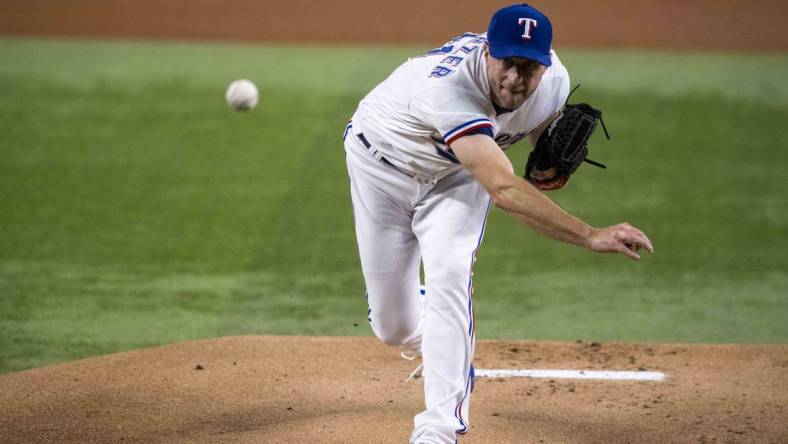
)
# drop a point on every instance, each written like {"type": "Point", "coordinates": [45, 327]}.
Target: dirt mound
{"type": "Point", "coordinates": [310, 389]}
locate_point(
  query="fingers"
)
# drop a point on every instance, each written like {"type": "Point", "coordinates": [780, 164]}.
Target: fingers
{"type": "Point", "coordinates": [640, 241]}
{"type": "Point", "coordinates": [629, 252]}
{"type": "Point", "coordinates": [628, 240]}
{"type": "Point", "coordinates": [631, 235]}
{"type": "Point", "coordinates": [621, 238]}
{"type": "Point", "coordinates": [645, 242]}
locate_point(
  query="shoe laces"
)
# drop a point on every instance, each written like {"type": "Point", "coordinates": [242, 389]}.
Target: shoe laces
{"type": "Point", "coordinates": [415, 373]}
{"type": "Point", "coordinates": [410, 355]}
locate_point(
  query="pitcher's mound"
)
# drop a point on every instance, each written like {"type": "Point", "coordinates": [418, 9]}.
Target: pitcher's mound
{"type": "Point", "coordinates": [310, 389]}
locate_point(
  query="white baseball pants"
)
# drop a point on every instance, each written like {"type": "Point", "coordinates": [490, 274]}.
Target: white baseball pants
{"type": "Point", "coordinates": [400, 222]}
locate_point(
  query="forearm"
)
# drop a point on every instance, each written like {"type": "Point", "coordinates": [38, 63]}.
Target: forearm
{"type": "Point", "coordinates": [493, 170]}
{"type": "Point", "coordinates": [534, 209]}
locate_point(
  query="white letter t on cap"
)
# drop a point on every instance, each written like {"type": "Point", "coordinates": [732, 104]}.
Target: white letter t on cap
{"type": "Point", "coordinates": [528, 22]}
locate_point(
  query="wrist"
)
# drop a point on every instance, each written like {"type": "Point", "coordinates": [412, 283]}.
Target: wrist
{"type": "Point", "coordinates": [588, 237]}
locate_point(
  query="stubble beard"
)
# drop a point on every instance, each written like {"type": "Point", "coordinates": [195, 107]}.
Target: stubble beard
{"type": "Point", "coordinates": [508, 100]}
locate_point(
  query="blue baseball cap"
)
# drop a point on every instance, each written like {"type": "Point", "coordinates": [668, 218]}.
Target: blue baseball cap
{"type": "Point", "coordinates": [520, 31]}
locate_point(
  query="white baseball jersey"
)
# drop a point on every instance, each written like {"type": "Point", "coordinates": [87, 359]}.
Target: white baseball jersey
{"type": "Point", "coordinates": [430, 101]}
{"type": "Point", "coordinates": [434, 215]}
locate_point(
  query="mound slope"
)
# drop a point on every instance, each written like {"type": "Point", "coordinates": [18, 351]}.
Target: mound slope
{"type": "Point", "coordinates": [317, 389]}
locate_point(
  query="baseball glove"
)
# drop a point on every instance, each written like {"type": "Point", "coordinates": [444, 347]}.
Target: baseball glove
{"type": "Point", "coordinates": [563, 146]}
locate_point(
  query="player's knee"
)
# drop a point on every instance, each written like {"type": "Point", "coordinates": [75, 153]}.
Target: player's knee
{"type": "Point", "coordinates": [397, 337]}
{"type": "Point", "coordinates": [395, 333]}
{"type": "Point", "coordinates": [394, 340]}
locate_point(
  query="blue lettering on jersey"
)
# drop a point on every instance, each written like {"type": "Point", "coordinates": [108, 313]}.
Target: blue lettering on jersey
{"type": "Point", "coordinates": [444, 50]}
{"type": "Point", "coordinates": [451, 60]}
{"type": "Point", "coordinates": [466, 49]}
{"type": "Point", "coordinates": [440, 71]}
{"type": "Point", "coordinates": [464, 35]}
{"type": "Point", "coordinates": [443, 68]}
{"type": "Point", "coordinates": [505, 140]}
{"type": "Point", "coordinates": [449, 46]}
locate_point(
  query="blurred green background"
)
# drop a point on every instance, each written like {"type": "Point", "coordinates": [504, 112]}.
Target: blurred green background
{"type": "Point", "coordinates": [136, 209]}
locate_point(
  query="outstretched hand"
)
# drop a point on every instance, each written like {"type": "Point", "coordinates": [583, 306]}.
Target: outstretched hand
{"type": "Point", "coordinates": [621, 238]}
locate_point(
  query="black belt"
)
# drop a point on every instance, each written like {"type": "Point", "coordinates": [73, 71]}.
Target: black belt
{"type": "Point", "coordinates": [368, 145]}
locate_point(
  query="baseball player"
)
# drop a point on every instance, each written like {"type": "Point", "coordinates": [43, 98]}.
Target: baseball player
{"type": "Point", "coordinates": [425, 158]}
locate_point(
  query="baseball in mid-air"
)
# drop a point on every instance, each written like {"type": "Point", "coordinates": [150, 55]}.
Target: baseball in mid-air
{"type": "Point", "coordinates": [241, 95]}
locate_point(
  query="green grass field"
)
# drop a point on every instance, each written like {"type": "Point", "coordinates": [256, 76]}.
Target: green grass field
{"type": "Point", "coordinates": [136, 209]}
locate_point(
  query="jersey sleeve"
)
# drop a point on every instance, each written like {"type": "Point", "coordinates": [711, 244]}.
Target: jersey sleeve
{"type": "Point", "coordinates": [452, 115]}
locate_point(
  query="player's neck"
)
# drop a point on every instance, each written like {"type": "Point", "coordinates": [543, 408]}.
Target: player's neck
{"type": "Point", "coordinates": [500, 109]}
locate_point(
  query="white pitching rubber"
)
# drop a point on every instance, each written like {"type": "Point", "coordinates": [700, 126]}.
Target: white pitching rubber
{"type": "Point", "coordinates": [571, 374]}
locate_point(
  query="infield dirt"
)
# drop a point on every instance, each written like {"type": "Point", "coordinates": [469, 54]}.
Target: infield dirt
{"type": "Point", "coordinates": [353, 390]}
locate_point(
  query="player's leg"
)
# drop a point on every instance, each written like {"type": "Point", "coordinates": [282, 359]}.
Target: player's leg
{"type": "Point", "coordinates": [388, 249]}
{"type": "Point", "coordinates": [449, 226]}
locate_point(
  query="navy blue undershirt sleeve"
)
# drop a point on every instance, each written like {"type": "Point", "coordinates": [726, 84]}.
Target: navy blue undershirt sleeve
{"type": "Point", "coordinates": [486, 130]}
{"type": "Point", "coordinates": [449, 154]}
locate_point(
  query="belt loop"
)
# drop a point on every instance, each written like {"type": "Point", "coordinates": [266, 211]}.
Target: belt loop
{"type": "Point", "coordinates": [424, 180]}
{"type": "Point", "coordinates": [372, 151]}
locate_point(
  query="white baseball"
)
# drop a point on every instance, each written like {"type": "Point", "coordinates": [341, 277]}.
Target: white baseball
{"type": "Point", "coordinates": [241, 95]}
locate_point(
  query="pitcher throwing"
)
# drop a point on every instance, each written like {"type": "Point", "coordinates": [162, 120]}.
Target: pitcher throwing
{"type": "Point", "coordinates": [425, 157]}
